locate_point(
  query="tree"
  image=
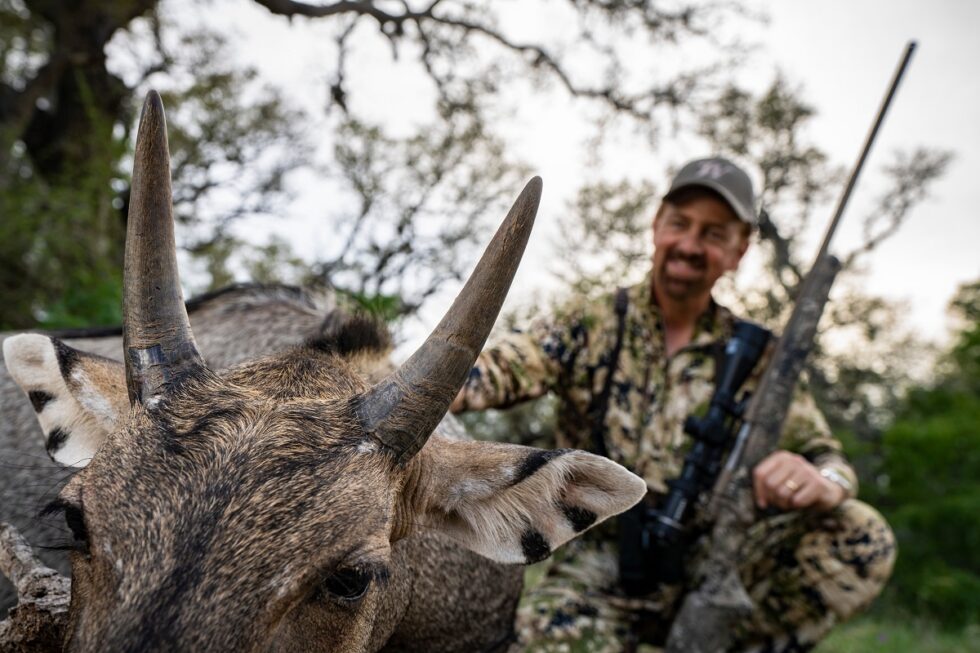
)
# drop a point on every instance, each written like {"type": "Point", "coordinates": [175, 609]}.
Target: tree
{"type": "Point", "coordinates": [66, 112]}
{"type": "Point", "coordinates": [64, 190]}
{"type": "Point", "coordinates": [930, 465]}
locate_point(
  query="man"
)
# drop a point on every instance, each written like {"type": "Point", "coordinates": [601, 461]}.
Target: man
{"type": "Point", "coordinates": [818, 555]}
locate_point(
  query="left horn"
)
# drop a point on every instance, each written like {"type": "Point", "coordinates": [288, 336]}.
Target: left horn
{"type": "Point", "coordinates": [402, 410]}
{"type": "Point", "coordinates": [157, 338]}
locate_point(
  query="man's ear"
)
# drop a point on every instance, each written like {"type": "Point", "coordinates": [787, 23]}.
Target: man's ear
{"type": "Point", "coordinates": [512, 503]}
{"type": "Point", "coordinates": [79, 398]}
{"type": "Point", "coordinates": [740, 247]}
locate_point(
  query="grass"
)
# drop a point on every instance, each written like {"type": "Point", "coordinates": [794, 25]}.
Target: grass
{"type": "Point", "coordinates": [892, 635]}
{"type": "Point", "coordinates": [881, 631]}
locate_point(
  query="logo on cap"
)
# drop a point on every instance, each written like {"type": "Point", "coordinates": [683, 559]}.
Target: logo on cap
{"type": "Point", "coordinates": [713, 169]}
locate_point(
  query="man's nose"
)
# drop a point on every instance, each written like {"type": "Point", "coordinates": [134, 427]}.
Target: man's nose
{"type": "Point", "coordinates": [690, 242]}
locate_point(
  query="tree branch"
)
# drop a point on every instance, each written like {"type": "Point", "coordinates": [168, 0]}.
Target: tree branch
{"type": "Point", "coordinates": [290, 9]}
{"type": "Point", "coordinates": [637, 105]}
{"type": "Point", "coordinates": [38, 621]}
{"type": "Point", "coordinates": [912, 175]}
{"type": "Point", "coordinates": [782, 252]}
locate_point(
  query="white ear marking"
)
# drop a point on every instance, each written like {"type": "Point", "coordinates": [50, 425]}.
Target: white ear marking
{"type": "Point", "coordinates": [27, 351]}
{"type": "Point", "coordinates": [516, 504]}
{"type": "Point", "coordinates": [89, 398]}
{"type": "Point", "coordinates": [72, 410]}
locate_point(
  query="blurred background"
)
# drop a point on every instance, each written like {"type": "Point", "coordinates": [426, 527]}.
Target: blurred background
{"type": "Point", "coordinates": [372, 148]}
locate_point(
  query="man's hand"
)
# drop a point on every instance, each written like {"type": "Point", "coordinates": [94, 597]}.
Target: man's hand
{"type": "Point", "coordinates": [790, 482]}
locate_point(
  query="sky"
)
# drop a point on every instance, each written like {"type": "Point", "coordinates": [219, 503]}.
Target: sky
{"type": "Point", "coordinates": [841, 54]}
{"type": "Point", "coordinates": [845, 52]}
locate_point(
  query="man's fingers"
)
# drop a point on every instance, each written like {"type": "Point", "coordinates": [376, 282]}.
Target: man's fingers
{"type": "Point", "coordinates": [789, 482]}
{"type": "Point", "coordinates": [759, 488]}
{"type": "Point", "coordinates": [782, 478]}
{"type": "Point", "coordinates": [767, 463]}
{"type": "Point", "coordinates": [776, 482]}
{"type": "Point", "coordinates": [783, 494]}
{"type": "Point", "coordinates": [762, 474]}
{"type": "Point", "coordinates": [806, 496]}
{"type": "Point", "coordinates": [765, 481]}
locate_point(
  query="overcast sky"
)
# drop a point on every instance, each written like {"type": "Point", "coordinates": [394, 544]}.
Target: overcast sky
{"type": "Point", "coordinates": [844, 53]}
{"type": "Point", "coordinates": [841, 54]}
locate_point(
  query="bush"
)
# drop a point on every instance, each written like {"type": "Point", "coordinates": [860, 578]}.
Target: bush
{"type": "Point", "coordinates": [931, 490]}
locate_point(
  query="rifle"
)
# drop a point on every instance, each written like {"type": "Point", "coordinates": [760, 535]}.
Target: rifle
{"type": "Point", "coordinates": [704, 623]}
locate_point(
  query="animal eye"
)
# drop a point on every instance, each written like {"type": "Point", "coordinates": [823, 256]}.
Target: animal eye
{"type": "Point", "coordinates": [76, 522]}
{"type": "Point", "coordinates": [347, 585]}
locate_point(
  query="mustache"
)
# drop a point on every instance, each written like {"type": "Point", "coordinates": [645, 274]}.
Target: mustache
{"type": "Point", "coordinates": [696, 261]}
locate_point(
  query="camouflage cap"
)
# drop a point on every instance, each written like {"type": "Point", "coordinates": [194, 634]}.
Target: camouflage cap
{"type": "Point", "coordinates": [723, 177]}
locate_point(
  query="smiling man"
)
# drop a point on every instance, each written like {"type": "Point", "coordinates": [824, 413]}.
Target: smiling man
{"type": "Point", "coordinates": [815, 558]}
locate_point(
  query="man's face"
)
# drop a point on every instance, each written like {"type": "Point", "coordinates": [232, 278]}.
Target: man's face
{"type": "Point", "coordinates": [695, 242]}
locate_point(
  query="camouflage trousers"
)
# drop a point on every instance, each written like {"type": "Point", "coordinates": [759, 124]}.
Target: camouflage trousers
{"type": "Point", "coordinates": [805, 573]}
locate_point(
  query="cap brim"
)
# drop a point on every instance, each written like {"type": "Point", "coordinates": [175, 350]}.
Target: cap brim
{"type": "Point", "coordinates": [743, 213]}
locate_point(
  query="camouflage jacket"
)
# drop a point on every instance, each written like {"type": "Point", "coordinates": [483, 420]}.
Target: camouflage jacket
{"type": "Point", "coordinates": [651, 394]}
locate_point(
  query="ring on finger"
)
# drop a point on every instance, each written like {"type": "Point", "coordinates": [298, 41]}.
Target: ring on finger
{"type": "Point", "coordinates": [792, 485]}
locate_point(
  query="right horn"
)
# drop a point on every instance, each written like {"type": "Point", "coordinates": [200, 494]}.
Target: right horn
{"type": "Point", "coordinates": [157, 341]}
{"type": "Point", "coordinates": [402, 410]}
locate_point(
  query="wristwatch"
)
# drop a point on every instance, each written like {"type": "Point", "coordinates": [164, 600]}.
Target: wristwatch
{"type": "Point", "coordinates": [834, 476]}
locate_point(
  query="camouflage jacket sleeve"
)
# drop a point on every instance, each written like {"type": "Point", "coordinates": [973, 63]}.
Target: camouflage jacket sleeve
{"type": "Point", "coordinates": [806, 432]}
{"type": "Point", "coordinates": [520, 366]}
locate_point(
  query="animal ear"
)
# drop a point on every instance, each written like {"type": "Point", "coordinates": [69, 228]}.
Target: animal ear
{"type": "Point", "coordinates": [512, 503]}
{"type": "Point", "coordinates": [79, 398]}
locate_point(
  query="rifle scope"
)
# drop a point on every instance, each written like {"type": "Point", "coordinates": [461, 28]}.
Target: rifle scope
{"type": "Point", "coordinates": [658, 555]}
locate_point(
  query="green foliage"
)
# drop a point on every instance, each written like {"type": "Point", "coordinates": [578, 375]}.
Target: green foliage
{"type": "Point", "coordinates": [51, 275]}
{"type": "Point", "coordinates": [72, 76]}
{"type": "Point", "coordinates": [899, 634]}
{"type": "Point", "coordinates": [61, 241]}
{"type": "Point", "coordinates": [965, 356]}
{"type": "Point", "coordinates": [931, 461]}
{"type": "Point", "coordinates": [387, 308]}
{"type": "Point", "coordinates": [24, 39]}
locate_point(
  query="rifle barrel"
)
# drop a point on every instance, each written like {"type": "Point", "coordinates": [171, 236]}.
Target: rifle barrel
{"type": "Point", "coordinates": [896, 78]}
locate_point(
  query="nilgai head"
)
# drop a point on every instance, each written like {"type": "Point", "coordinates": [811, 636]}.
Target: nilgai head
{"type": "Point", "coordinates": [257, 509]}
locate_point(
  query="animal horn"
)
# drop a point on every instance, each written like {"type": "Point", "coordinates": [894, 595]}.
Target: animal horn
{"type": "Point", "coordinates": [157, 338]}
{"type": "Point", "coordinates": [402, 410]}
